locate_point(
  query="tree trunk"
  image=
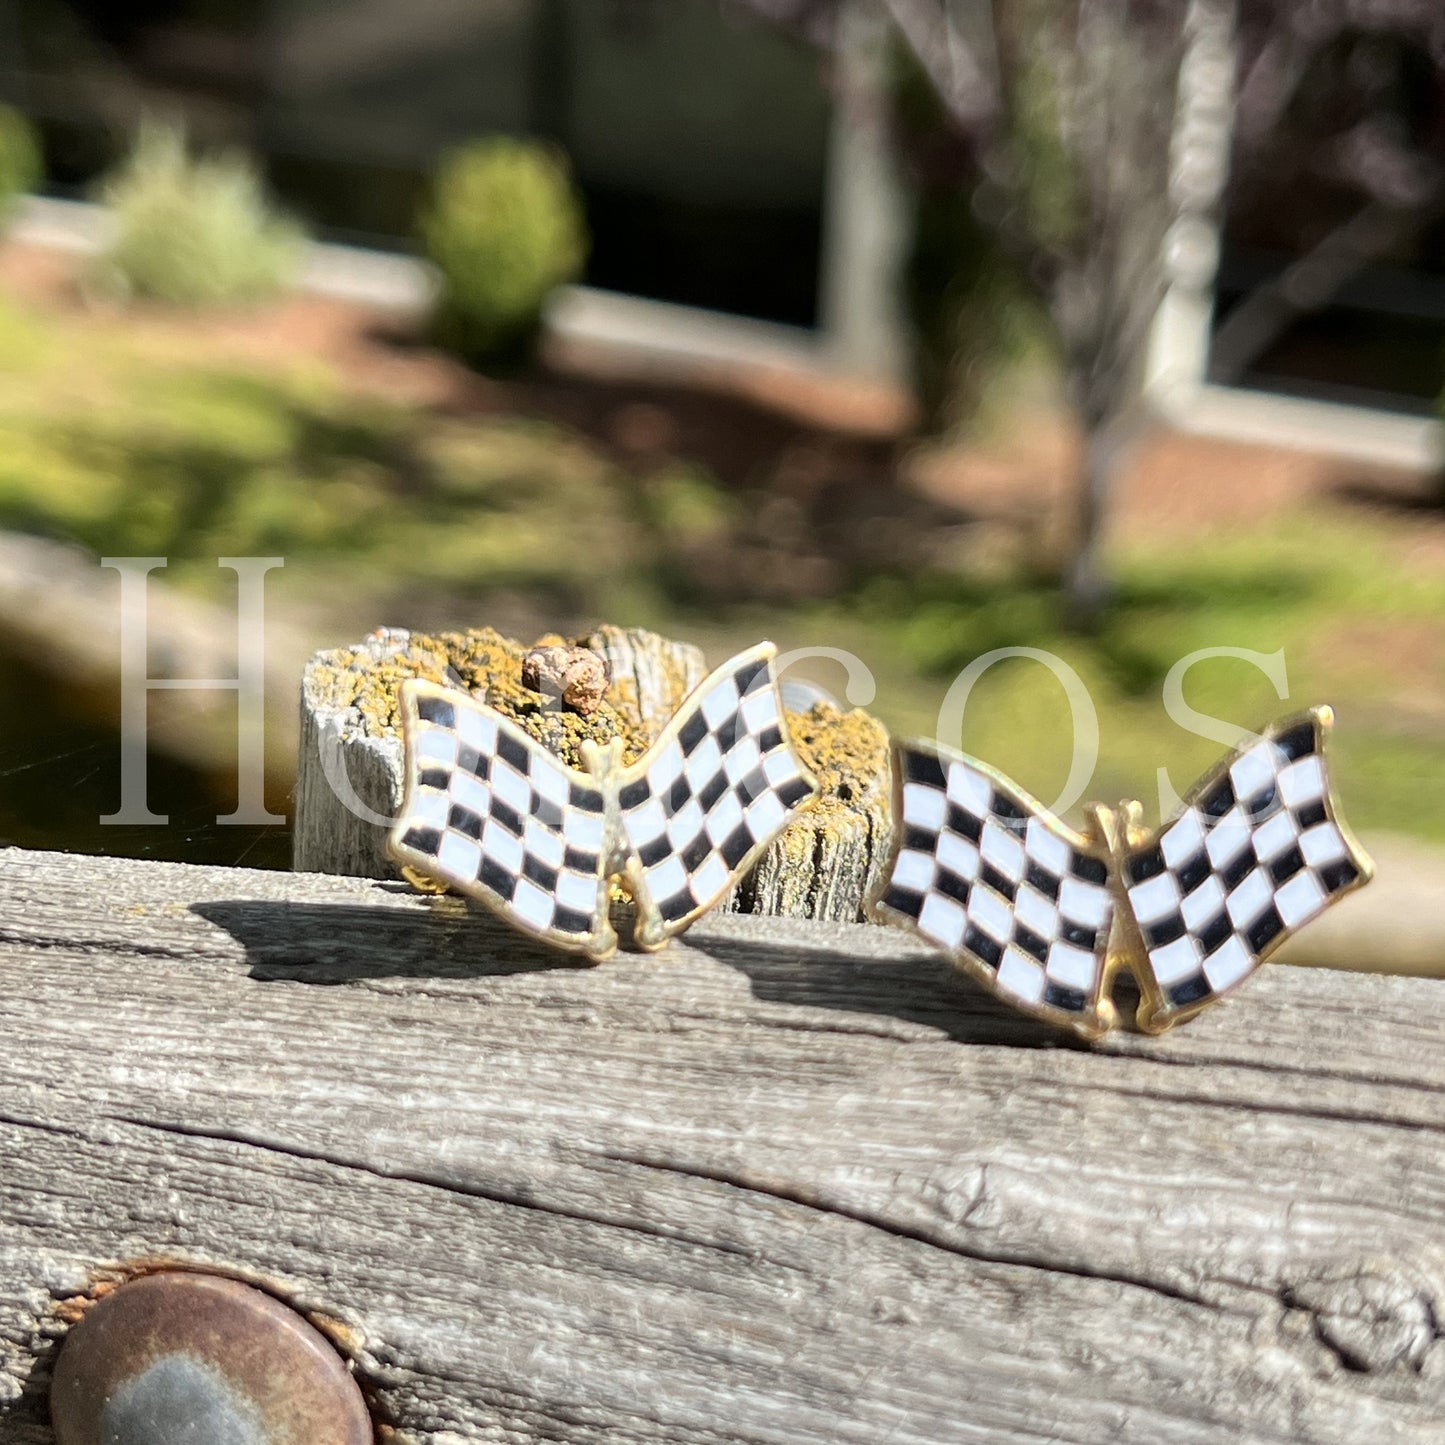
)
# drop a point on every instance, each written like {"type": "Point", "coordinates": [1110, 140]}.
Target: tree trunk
{"type": "Point", "coordinates": [1087, 589]}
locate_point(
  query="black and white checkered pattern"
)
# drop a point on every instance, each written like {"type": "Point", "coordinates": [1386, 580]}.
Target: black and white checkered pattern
{"type": "Point", "coordinates": [1255, 856]}
{"type": "Point", "coordinates": [718, 786]}
{"type": "Point", "coordinates": [986, 874]}
{"type": "Point", "coordinates": [492, 813]}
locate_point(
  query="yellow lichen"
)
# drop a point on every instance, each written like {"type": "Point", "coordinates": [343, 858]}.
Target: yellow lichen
{"type": "Point", "coordinates": [846, 751]}
{"type": "Point", "coordinates": [848, 754]}
{"type": "Point", "coordinates": [622, 696]}
{"type": "Point", "coordinates": [480, 661]}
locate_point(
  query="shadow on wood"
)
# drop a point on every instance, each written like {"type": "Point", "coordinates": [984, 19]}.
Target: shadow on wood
{"type": "Point", "coordinates": [336, 943]}
{"type": "Point", "coordinates": [918, 990]}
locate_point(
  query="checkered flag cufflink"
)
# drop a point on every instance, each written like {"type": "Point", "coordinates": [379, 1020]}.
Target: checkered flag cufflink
{"type": "Point", "coordinates": [492, 814]}
{"type": "Point", "coordinates": [1044, 917]}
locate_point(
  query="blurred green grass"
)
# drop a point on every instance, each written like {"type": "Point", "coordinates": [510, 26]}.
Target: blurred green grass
{"type": "Point", "coordinates": [132, 448]}
{"type": "Point", "coordinates": [1333, 594]}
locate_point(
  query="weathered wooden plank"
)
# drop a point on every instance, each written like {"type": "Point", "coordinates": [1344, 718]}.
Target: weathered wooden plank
{"type": "Point", "coordinates": [789, 1182]}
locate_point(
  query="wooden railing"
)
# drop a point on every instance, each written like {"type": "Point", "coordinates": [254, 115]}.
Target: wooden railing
{"type": "Point", "coordinates": [786, 1182]}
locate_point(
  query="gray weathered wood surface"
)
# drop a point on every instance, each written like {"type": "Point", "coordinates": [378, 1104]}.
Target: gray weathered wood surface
{"type": "Point", "coordinates": [790, 1182]}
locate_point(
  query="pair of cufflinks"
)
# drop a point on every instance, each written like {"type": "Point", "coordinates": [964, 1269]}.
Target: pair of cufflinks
{"type": "Point", "coordinates": [1041, 915]}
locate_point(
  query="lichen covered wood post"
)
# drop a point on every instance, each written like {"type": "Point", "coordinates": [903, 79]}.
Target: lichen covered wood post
{"type": "Point", "coordinates": [349, 782]}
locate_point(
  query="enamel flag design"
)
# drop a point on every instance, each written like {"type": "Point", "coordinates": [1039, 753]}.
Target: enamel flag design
{"type": "Point", "coordinates": [496, 816]}
{"type": "Point", "coordinates": [1044, 917]}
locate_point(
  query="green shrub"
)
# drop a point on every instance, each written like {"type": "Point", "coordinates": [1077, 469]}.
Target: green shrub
{"type": "Point", "coordinates": [504, 227]}
{"type": "Point", "coordinates": [194, 231]}
{"type": "Point", "coordinates": [20, 166]}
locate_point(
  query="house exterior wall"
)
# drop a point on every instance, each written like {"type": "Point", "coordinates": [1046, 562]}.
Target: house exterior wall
{"type": "Point", "coordinates": [700, 138]}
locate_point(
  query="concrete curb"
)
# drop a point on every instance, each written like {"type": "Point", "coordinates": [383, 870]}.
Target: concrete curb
{"type": "Point", "coordinates": [662, 333]}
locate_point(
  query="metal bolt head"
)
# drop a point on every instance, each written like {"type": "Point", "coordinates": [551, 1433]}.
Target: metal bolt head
{"type": "Point", "coordinates": [176, 1358]}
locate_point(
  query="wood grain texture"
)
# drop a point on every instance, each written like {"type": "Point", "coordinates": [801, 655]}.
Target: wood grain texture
{"type": "Point", "coordinates": [348, 777]}
{"type": "Point", "coordinates": [791, 1182]}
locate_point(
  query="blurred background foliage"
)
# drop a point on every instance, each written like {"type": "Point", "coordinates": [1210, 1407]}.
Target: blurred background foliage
{"type": "Point", "coordinates": [458, 467]}
{"type": "Point", "coordinates": [504, 228]}
{"type": "Point", "coordinates": [192, 230]}
{"type": "Point", "coordinates": [21, 166]}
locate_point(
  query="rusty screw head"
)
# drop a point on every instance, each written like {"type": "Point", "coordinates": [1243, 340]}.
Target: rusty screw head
{"type": "Point", "coordinates": [179, 1357]}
